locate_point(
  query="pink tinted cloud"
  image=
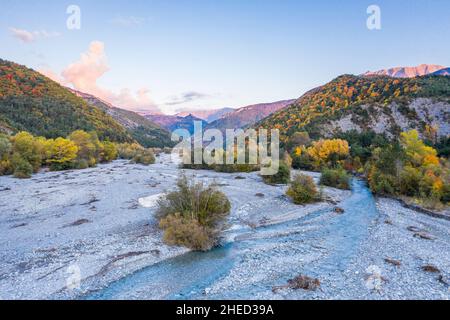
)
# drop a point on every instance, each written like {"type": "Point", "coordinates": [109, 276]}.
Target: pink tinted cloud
{"type": "Point", "coordinates": [46, 71]}
{"type": "Point", "coordinates": [92, 65]}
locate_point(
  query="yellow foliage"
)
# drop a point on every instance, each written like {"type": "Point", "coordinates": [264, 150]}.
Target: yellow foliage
{"type": "Point", "coordinates": [438, 186]}
{"type": "Point", "coordinates": [430, 159]}
{"type": "Point", "coordinates": [417, 152]}
{"type": "Point", "coordinates": [61, 151]}
{"type": "Point", "coordinates": [110, 151]}
{"type": "Point", "coordinates": [322, 150]}
{"type": "Point", "coordinates": [89, 147]}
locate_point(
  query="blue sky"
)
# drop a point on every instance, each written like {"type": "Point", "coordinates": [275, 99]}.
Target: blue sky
{"type": "Point", "coordinates": [229, 53]}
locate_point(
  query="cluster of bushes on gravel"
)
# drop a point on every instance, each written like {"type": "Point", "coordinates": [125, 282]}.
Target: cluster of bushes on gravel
{"type": "Point", "coordinates": [411, 169]}
{"type": "Point", "coordinates": [302, 190]}
{"type": "Point", "coordinates": [283, 176]}
{"type": "Point", "coordinates": [336, 178]}
{"type": "Point", "coordinates": [136, 153]}
{"type": "Point", "coordinates": [193, 216]}
{"type": "Point", "coordinates": [224, 166]}
{"type": "Point", "coordinates": [24, 154]}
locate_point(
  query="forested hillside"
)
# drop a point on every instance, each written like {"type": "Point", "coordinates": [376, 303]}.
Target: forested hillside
{"type": "Point", "coordinates": [143, 130]}
{"type": "Point", "coordinates": [383, 104]}
{"type": "Point", "coordinates": [247, 116]}
{"type": "Point", "coordinates": [32, 102]}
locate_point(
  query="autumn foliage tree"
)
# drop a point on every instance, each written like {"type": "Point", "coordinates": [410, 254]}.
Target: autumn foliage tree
{"type": "Point", "coordinates": [5, 151]}
{"type": "Point", "coordinates": [61, 153]}
{"type": "Point", "coordinates": [410, 168]}
{"type": "Point", "coordinates": [328, 152]}
{"type": "Point", "coordinates": [88, 148]}
{"type": "Point", "coordinates": [23, 154]}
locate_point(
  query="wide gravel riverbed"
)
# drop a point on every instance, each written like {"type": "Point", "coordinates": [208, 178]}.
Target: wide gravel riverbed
{"type": "Point", "coordinates": [91, 234]}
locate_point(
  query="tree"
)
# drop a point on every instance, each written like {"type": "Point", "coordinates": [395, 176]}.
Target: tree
{"type": "Point", "coordinates": [328, 151]}
{"type": "Point", "coordinates": [431, 133]}
{"type": "Point", "coordinates": [5, 154]}
{"type": "Point", "coordinates": [110, 152]}
{"type": "Point", "coordinates": [88, 147]}
{"type": "Point", "coordinates": [25, 146]}
{"type": "Point", "coordinates": [61, 152]}
{"type": "Point", "coordinates": [417, 152]}
{"type": "Point", "coordinates": [22, 168]}
{"type": "Point", "coordinates": [5, 147]}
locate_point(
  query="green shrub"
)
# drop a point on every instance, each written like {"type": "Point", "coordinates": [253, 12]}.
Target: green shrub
{"type": "Point", "coordinates": [5, 153]}
{"type": "Point", "coordinates": [128, 150]}
{"type": "Point", "coordinates": [193, 215]}
{"type": "Point", "coordinates": [383, 184]}
{"type": "Point", "coordinates": [336, 178]}
{"type": "Point", "coordinates": [231, 168]}
{"type": "Point", "coordinates": [145, 157]}
{"type": "Point", "coordinates": [89, 147]}
{"type": "Point", "coordinates": [22, 168]}
{"type": "Point", "coordinates": [181, 231]}
{"type": "Point", "coordinates": [5, 146]}
{"type": "Point", "coordinates": [410, 181]}
{"type": "Point", "coordinates": [110, 152]}
{"type": "Point", "coordinates": [283, 176]}
{"type": "Point", "coordinates": [446, 194]}
{"type": "Point", "coordinates": [6, 167]}
{"type": "Point", "coordinates": [81, 164]}
{"type": "Point", "coordinates": [136, 153]}
{"type": "Point", "coordinates": [224, 167]}
{"type": "Point", "coordinates": [27, 148]}
{"type": "Point", "coordinates": [302, 162]}
{"type": "Point", "coordinates": [287, 159]}
{"type": "Point", "coordinates": [303, 190]}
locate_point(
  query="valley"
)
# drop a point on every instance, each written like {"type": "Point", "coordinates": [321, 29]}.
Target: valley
{"type": "Point", "coordinates": [193, 152]}
{"type": "Point", "coordinates": [97, 233]}
{"type": "Point", "coordinates": [100, 222]}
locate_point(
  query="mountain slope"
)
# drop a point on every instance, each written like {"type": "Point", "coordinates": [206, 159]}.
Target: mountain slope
{"type": "Point", "coordinates": [207, 115]}
{"type": "Point", "coordinates": [143, 130]}
{"type": "Point", "coordinates": [32, 102]}
{"type": "Point", "coordinates": [248, 116]}
{"type": "Point", "coordinates": [172, 123]}
{"type": "Point", "coordinates": [383, 104]}
{"type": "Point", "coordinates": [407, 72]}
{"type": "Point", "coordinates": [442, 72]}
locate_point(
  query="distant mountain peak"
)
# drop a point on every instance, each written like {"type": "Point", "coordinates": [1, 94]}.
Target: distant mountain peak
{"type": "Point", "coordinates": [246, 116]}
{"type": "Point", "coordinates": [407, 72]}
{"type": "Point", "coordinates": [208, 115]}
{"type": "Point", "coordinates": [442, 72]}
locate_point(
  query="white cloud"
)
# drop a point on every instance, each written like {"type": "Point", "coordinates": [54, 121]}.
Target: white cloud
{"type": "Point", "coordinates": [31, 36]}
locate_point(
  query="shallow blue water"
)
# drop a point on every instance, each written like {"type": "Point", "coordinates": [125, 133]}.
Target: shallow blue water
{"type": "Point", "coordinates": [186, 276]}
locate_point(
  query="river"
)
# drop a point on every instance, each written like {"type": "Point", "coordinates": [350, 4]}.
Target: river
{"type": "Point", "coordinates": [255, 260]}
